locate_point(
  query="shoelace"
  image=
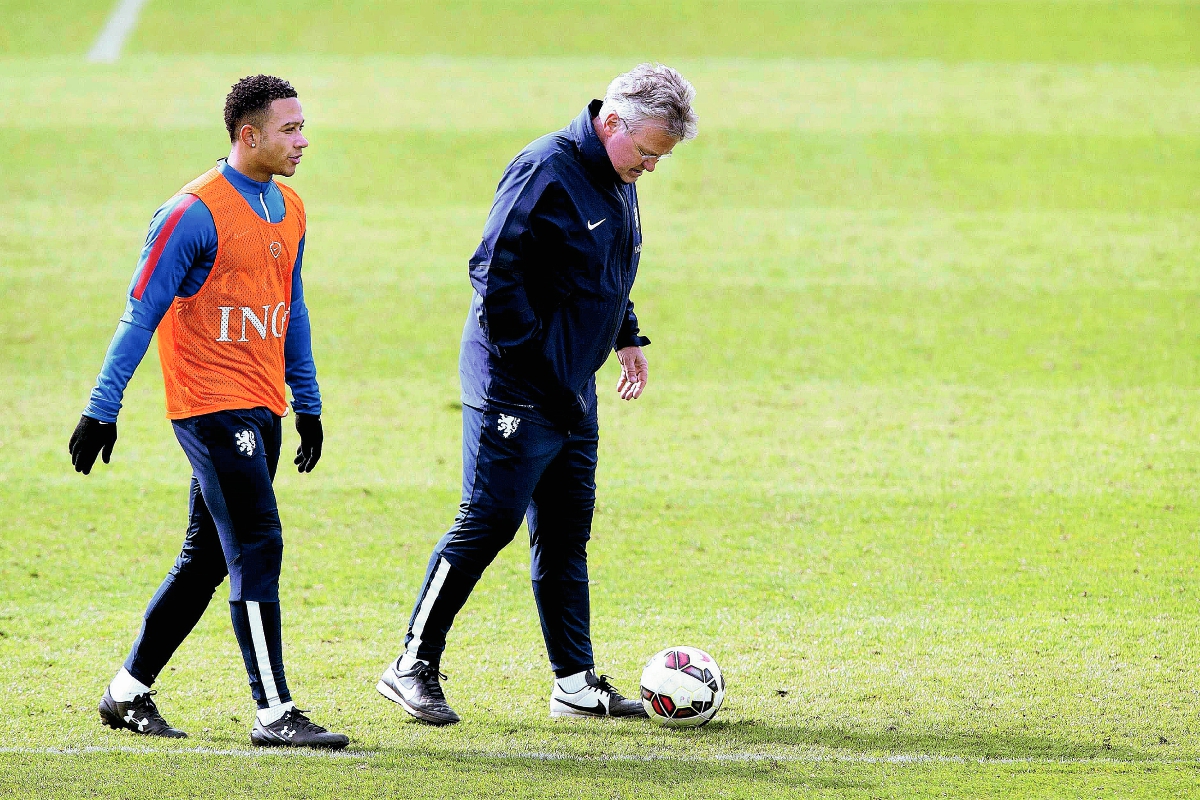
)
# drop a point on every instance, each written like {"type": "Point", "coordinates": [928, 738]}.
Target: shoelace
{"type": "Point", "coordinates": [429, 676]}
{"type": "Point", "coordinates": [145, 703]}
{"type": "Point", "coordinates": [603, 685]}
{"type": "Point", "coordinates": [297, 717]}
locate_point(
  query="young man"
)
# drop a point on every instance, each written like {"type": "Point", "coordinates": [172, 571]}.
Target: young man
{"type": "Point", "coordinates": [219, 278]}
{"type": "Point", "coordinates": [552, 278]}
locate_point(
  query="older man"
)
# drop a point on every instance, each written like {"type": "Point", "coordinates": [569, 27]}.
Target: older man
{"type": "Point", "coordinates": [552, 278]}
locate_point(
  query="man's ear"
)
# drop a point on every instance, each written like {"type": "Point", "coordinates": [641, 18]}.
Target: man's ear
{"type": "Point", "coordinates": [249, 135]}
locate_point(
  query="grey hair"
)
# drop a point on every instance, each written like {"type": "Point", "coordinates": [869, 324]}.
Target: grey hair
{"type": "Point", "coordinates": [654, 92]}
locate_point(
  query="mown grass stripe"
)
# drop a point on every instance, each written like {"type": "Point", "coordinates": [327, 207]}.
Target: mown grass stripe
{"type": "Point", "coordinates": [466, 93]}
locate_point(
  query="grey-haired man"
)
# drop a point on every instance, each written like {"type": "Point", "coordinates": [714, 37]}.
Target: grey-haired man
{"type": "Point", "coordinates": [551, 282]}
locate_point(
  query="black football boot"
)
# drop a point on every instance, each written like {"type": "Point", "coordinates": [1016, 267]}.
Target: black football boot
{"type": "Point", "coordinates": [418, 692]}
{"type": "Point", "coordinates": [139, 715]}
{"type": "Point", "coordinates": [294, 729]}
{"type": "Point", "coordinates": [597, 698]}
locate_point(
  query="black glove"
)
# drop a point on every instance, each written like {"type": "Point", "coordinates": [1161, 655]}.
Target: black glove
{"type": "Point", "coordinates": [91, 436]}
{"type": "Point", "coordinates": [311, 437]}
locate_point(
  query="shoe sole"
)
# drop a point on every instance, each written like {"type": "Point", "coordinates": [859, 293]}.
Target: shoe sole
{"type": "Point", "coordinates": [584, 715]}
{"type": "Point", "coordinates": [580, 715]}
{"type": "Point", "coordinates": [259, 742]}
{"type": "Point", "coordinates": [421, 716]}
{"type": "Point", "coordinates": [570, 712]}
{"type": "Point", "coordinates": [561, 709]}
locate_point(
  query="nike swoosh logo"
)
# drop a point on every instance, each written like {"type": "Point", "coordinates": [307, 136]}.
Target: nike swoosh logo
{"type": "Point", "coordinates": [599, 707]}
{"type": "Point", "coordinates": [592, 227]}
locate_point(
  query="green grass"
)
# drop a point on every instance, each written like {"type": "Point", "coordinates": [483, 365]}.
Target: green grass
{"type": "Point", "coordinates": [1164, 32]}
{"type": "Point", "coordinates": [1062, 31]}
{"type": "Point", "coordinates": [31, 28]}
{"type": "Point", "coordinates": [919, 449]}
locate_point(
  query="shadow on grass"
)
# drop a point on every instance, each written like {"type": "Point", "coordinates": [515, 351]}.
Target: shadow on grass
{"type": "Point", "coordinates": [395, 774]}
{"type": "Point", "coordinates": [419, 769]}
{"type": "Point", "coordinates": [751, 740]}
{"type": "Point", "coordinates": [967, 745]}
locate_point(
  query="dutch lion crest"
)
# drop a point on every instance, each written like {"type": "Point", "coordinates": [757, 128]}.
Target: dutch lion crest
{"type": "Point", "coordinates": [244, 439]}
{"type": "Point", "coordinates": [507, 425]}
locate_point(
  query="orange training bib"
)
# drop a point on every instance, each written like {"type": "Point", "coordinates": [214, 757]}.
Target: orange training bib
{"type": "Point", "coordinates": [222, 348]}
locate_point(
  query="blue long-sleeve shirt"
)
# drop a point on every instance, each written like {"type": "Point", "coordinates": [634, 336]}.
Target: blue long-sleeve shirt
{"type": "Point", "coordinates": [178, 267]}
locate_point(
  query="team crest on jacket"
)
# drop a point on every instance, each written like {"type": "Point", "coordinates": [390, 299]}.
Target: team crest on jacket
{"type": "Point", "coordinates": [507, 425]}
{"type": "Point", "coordinates": [244, 439]}
{"type": "Point", "coordinates": [276, 248]}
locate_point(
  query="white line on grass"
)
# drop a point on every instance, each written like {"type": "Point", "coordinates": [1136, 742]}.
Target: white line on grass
{"type": "Point", "coordinates": [815, 758]}
{"type": "Point", "coordinates": [107, 47]}
{"type": "Point", "coordinates": [802, 758]}
{"type": "Point", "coordinates": [184, 751]}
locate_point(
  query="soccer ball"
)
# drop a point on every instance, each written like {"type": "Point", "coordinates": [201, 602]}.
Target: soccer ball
{"type": "Point", "coordinates": [682, 687]}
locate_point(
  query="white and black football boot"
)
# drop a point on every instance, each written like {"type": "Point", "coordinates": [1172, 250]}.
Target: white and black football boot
{"type": "Point", "coordinates": [597, 699]}
{"type": "Point", "coordinates": [139, 715]}
{"type": "Point", "coordinates": [294, 729]}
{"type": "Point", "coordinates": [418, 691]}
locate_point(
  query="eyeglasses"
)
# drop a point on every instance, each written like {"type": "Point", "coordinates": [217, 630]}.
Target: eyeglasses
{"type": "Point", "coordinates": [645, 156]}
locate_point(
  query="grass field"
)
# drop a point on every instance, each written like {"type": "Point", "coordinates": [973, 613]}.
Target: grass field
{"type": "Point", "coordinates": [919, 462]}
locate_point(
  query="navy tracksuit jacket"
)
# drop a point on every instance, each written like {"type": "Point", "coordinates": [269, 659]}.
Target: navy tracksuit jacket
{"type": "Point", "coordinates": [552, 278]}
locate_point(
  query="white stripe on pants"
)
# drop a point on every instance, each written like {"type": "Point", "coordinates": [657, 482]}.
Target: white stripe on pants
{"type": "Point", "coordinates": [435, 587]}
{"type": "Point", "coordinates": [258, 639]}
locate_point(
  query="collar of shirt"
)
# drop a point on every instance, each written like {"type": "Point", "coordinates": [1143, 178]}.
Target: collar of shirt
{"type": "Point", "coordinates": [591, 149]}
{"type": "Point", "coordinates": [263, 197]}
{"type": "Point", "coordinates": [242, 183]}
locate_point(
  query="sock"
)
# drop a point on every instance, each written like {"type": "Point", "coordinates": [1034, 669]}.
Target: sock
{"type": "Point", "coordinates": [408, 661]}
{"type": "Point", "coordinates": [573, 683]}
{"type": "Point", "coordinates": [125, 687]}
{"type": "Point", "coordinates": [268, 715]}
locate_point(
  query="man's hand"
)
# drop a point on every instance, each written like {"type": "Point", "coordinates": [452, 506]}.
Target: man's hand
{"type": "Point", "coordinates": [311, 438]}
{"type": "Point", "coordinates": [635, 373]}
{"type": "Point", "coordinates": [91, 436]}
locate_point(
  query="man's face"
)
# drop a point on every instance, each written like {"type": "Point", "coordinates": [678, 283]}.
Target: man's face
{"type": "Point", "coordinates": [282, 139]}
{"type": "Point", "coordinates": [631, 151]}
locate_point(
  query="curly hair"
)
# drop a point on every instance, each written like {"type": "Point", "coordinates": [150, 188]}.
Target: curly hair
{"type": "Point", "coordinates": [250, 100]}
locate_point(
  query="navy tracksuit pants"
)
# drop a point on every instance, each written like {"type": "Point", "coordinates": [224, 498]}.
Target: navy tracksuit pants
{"type": "Point", "coordinates": [516, 466]}
{"type": "Point", "coordinates": [233, 529]}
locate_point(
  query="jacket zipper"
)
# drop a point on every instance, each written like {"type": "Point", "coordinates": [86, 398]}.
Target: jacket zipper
{"type": "Point", "coordinates": [625, 257]}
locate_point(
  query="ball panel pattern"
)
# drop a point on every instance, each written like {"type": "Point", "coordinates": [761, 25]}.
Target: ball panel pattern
{"type": "Point", "coordinates": [682, 687]}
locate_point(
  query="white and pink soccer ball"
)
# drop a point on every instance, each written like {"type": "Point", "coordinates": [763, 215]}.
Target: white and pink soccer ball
{"type": "Point", "coordinates": [682, 687]}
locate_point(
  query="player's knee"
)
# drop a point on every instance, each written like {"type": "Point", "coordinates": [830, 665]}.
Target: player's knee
{"type": "Point", "coordinates": [204, 570]}
{"type": "Point", "coordinates": [561, 560]}
{"type": "Point", "coordinates": [567, 533]}
{"type": "Point", "coordinates": [569, 516]}
{"type": "Point", "coordinates": [473, 547]}
{"type": "Point", "coordinates": [266, 550]}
